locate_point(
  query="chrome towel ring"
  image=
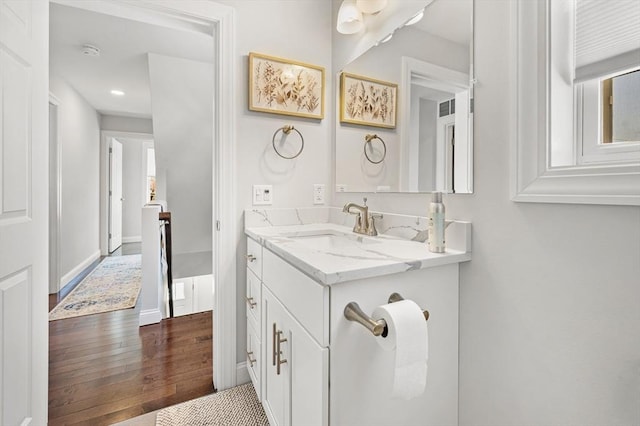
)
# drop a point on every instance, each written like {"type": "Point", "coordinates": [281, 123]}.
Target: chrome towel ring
{"type": "Point", "coordinates": [368, 138]}
{"type": "Point", "coordinates": [286, 130]}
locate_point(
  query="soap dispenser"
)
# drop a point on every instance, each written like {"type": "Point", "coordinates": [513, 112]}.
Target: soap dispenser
{"type": "Point", "coordinates": [436, 223]}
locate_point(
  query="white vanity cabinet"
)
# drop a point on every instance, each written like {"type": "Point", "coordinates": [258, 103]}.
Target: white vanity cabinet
{"type": "Point", "coordinates": [306, 342]}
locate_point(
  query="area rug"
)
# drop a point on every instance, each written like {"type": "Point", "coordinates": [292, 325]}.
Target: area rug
{"type": "Point", "coordinates": [235, 406]}
{"type": "Point", "coordinates": [113, 285]}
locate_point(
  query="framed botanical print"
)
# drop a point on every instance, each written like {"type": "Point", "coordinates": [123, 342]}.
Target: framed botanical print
{"type": "Point", "coordinates": [367, 101]}
{"type": "Point", "coordinates": [283, 86]}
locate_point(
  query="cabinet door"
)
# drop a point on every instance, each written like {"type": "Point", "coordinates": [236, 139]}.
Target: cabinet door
{"type": "Point", "coordinates": [276, 389]}
{"type": "Point", "coordinates": [299, 394]}
{"type": "Point", "coordinates": [309, 368]}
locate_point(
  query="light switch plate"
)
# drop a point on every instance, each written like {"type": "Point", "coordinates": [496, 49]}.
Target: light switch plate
{"type": "Point", "coordinates": [262, 195]}
{"type": "Point", "coordinates": [318, 193]}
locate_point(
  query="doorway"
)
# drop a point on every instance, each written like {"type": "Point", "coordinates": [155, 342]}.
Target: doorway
{"type": "Point", "coordinates": [219, 19]}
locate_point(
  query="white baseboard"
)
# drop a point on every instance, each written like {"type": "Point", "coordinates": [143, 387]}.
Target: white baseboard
{"type": "Point", "coordinates": [66, 278]}
{"type": "Point", "coordinates": [134, 239]}
{"type": "Point", "coordinates": [149, 316]}
{"type": "Point", "coordinates": [242, 373]}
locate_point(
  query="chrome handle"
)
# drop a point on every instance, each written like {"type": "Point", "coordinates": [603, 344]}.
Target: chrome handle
{"type": "Point", "coordinates": [280, 361]}
{"type": "Point", "coordinates": [251, 361]}
{"type": "Point", "coordinates": [353, 312]}
{"type": "Point", "coordinates": [274, 344]}
{"type": "Point", "coordinates": [251, 258]}
{"type": "Point", "coordinates": [251, 303]}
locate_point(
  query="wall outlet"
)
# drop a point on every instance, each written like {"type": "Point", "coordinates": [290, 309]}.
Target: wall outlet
{"type": "Point", "coordinates": [262, 195]}
{"type": "Point", "coordinates": [318, 193]}
{"type": "Point", "coordinates": [341, 187]}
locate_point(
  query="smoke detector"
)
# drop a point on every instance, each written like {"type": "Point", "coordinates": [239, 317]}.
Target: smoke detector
{"type": "Point", "coordinates": [90, 50]}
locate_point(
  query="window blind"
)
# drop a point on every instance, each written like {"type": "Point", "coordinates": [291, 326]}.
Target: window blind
{"type": "Point", "coordinates": [607, 37]}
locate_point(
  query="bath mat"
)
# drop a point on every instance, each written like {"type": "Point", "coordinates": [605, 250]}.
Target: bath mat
{"type": "Point", "coordinates": [113, 285]}
{"type": "Point", "coordinates": [235, 406]}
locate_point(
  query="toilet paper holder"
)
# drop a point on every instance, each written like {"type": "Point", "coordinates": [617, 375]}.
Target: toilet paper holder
{"type": "Point", "coordinates": [353, 312]}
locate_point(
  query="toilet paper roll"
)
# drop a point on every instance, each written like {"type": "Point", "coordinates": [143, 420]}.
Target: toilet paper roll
{"type": "Point", "coordinates": [408, 338]}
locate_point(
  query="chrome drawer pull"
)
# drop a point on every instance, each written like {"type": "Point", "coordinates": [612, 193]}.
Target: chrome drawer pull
{"type": "Point", "coordinates": [251, 258]}
{"type": "Point", "coordinates": [280, 361]}
{"type": "Point", "coordinates": [251, 303]}
{"type": "Point", "coordinates": [274, 344]}
{"type": "Point", "coordinates": [251, 361]}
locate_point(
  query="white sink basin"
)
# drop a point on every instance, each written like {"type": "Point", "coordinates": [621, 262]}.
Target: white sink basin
{"type": "Point", "coordinates": [330, 239]}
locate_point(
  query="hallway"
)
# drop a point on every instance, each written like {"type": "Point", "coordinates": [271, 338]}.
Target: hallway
{"type": "Point", "coordinates": [103, 368]}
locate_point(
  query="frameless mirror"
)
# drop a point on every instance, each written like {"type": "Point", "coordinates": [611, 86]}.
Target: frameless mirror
{"type": "Point", "coordinates": [429, 147]}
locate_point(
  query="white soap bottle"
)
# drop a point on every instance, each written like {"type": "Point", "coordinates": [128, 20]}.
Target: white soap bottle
{"type": "Point", "coordinates": [436, 223]}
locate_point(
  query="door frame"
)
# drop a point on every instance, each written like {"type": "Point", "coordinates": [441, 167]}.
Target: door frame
{"type": "Point", "coordinates": [226, 236]}
{"type": "Point", "coordinates": [55, 192]}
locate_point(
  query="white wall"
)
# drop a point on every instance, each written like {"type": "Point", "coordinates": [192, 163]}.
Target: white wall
{"type": "Point", "coordinates": [79, 139]}
{"type": "Point", "coordinates": [299, 31]}
{"type": "Point", "coordinates": [549, 318]}
{"type": "Point", "coordinates": [133, 177]}
{"type": "Point", "coordinates": [428, 134]}
{"type": "Point", "coordinates": [126, 124]}
{"type": "Point", "coordinates": [182, 106]}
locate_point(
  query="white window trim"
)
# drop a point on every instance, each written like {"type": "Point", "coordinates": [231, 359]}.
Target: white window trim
{"type": "Point", "coordinates": [532, 131]}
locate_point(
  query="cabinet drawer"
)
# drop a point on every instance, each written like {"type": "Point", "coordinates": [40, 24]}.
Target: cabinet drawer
{"type": "Point", "coordinates": [252, 297]}
{"type": "Point", "coordinates": [254, 257]}
{"type": "Point", "coordinates": [254, 358]}
{"type": "Point", "coordinates": [307, 300]}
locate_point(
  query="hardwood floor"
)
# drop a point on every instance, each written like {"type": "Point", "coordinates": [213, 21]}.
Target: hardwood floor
{"type": "Point", "coordinates": [103, 368]}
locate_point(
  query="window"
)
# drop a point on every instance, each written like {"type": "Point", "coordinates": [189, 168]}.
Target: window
{"type": "Point", "coordinates": [150, 175]}
{"type": "Point", "coordinates": [608, 118]}
{"type": "Point", "coordinates": [607, 80]}
{"type": "Point", "coordinates": [567, 54]}
{"type": "Point", "coordinates": [621, 108]}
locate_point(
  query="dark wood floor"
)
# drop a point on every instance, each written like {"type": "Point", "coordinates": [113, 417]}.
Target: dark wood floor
{"type": "Point", "coordinates": [103, 368]}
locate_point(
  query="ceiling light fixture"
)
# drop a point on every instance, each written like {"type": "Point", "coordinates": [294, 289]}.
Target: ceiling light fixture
{"type": "Point", "coordinates": [371, 6]}
{"type": "Point", "coordinates": [90, 50]}
{"type": "Point", "coordinates": [116, 92]}
{"type": "Point", "coordinates": [349, 18]}
{"type": "Point", "coordinates": [416, 18]}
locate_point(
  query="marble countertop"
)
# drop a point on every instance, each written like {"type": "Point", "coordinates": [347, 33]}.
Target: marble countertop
{"type": "Point", "coordinates": [356, 258]}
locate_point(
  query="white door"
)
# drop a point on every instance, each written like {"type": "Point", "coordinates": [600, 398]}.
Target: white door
{"type": "Point", "coordinates": [24, 206]}
{"type": "Point", "coordinates": [115, 195]}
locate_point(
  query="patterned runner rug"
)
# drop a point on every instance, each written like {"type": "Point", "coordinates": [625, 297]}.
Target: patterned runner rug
{"type": "Point", "coordinates": [235, 406]}
{"type": "Point", "coordinates": [113, 285]}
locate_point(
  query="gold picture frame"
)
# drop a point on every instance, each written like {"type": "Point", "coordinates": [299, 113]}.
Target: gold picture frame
{"type": "Point", "coordinates": [283, 86]}
{"type": "Point", "coordinates": [367, 101]}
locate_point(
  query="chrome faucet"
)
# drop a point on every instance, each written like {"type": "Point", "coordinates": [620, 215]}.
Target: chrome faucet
{"type": "Point", "coordinates": [365, 222]}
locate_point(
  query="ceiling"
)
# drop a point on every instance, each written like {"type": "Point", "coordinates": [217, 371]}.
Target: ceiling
{"type": "Point", "coordinates": [122, 63]}
{"type": "Point", "coordinates": [449, 19]}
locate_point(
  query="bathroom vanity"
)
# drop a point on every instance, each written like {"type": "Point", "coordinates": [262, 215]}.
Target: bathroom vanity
{"type": "Point", "coordinates": [309, 364]}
